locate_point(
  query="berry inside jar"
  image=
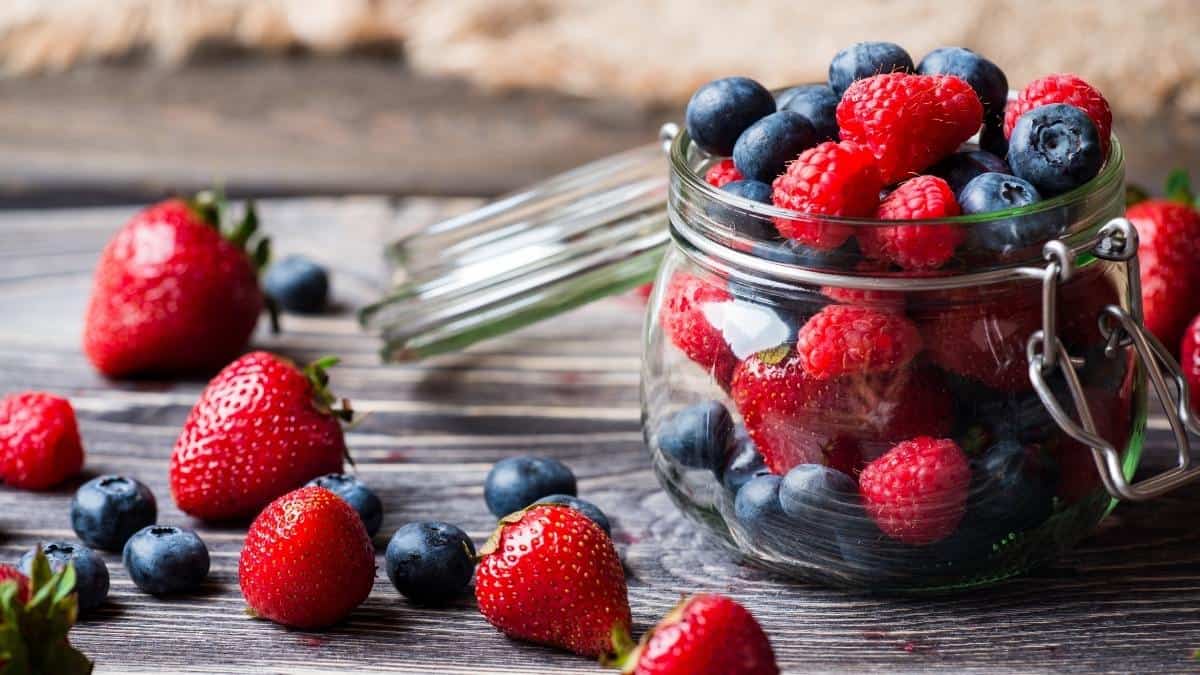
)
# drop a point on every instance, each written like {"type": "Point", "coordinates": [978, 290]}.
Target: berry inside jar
{"type": "Point", "coordinates": [837, 378]}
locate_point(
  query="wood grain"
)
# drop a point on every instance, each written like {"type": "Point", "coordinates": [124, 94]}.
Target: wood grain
{"type": "Point", "coordinates": [1124, 602]}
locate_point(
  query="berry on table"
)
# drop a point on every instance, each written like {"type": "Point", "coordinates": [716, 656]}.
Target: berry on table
{"type": "Point", "coordinates": [697, 436]}
{"type": "Point", "coordinates": [818, 103]}
{"type": "Point", "coordinates": [917, 492]}
{"type": "Point", "coordinates": [298, 285]}
{"type": "Point", "coordinates": [39, 440]}
{"type": "Point", "coordinates": [915, 247]}
{"type": "Point", "coordinates": [39, 610]}
{"type": "Point", "coordinates": [990, 192]}
{"type": "Point", "coordinates": [763, 151]}
{"type": "Point", "coordinates": [1055, 147]}
{"type": "Point", "coordinates": [961, 167]}
{"type": "Point", "coordinates": [985, 77]}
{"type": "Point", "coordinates": [686, 300]}
{"type": "Point", "coordinates": [848, 339]}
{"type": "Point", "coordinates": [722, 173]}
{"type": "Point", "coordinates": [722, 109]}
{"type": "Point", "coordinates": [583, 506]}
{"type": "Point", "coordinates": [91, 574]}
{"type": "Point", "coordinates": [831, 179]}
{"type": "Point", "coordinates": [1168, 247]}
{"type": "Point", "coordinates": [516, 482]}
{"type": "Point", "coordinates": [430, 563]}
{"type": "Point", "coordinates": [864, 59]}
{"type": "Point", "coordinates": [1189, 360]}
{"type": "Point", "coordinates": [1062, 88]}
{"type": "Point", "coordinates": [364, 501]}
{"type": "Point", "coordinates": [164, 560]}
{"type": "Point", "coordinates": [107, 510]}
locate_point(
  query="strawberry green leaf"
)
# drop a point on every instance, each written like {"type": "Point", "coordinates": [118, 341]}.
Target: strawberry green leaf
{"type": "Point", "coordinates": [246, 228]}
{"type": "Point", "coordinates": [1179, 187]}
{"type": "Point", "coordinates": [34, 635]}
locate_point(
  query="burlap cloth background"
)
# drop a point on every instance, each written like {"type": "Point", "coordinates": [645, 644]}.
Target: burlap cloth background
{"type": "Point", "coordinates": [1144, 54]}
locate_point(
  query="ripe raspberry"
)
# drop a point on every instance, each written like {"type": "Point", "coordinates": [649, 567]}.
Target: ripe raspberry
{"type": "Point", "coordinates": [847, 339]}
{"type": "Point", "coordinates": [884, 301]}
{"type": "Point", "coordinates": [1062, 88]}
{"type": "Point", "coordinates": [917, 492]}
{"type": "Point", "coordinates": [683, 320]}
{"type": "Point", "coordinates": [832, 179]}
{"type": "Point", "coordinates": [915, 247]}
{"type": "Point", "coordinates": [722, 173]}
{"type": "Point", "coordinates": [909, 122]}
{"type": "Point", "coordinates": [39, 441]}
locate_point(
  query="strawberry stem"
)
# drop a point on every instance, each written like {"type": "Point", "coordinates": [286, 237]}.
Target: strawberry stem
{"type": "Point", "coordinates": [625, 652]}
{"type": "Point", "coordinates": [325, 400]}
{"type": "Point", "coordinates": [1179, 187]}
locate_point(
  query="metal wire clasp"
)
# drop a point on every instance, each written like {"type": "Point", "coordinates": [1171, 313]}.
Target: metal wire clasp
{"type": "Point", "coordinates": [1116, 241]}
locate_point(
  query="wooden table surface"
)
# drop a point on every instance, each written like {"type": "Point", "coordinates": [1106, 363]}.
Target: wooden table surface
{"type": "Point", "coordinates": [1125, 601]}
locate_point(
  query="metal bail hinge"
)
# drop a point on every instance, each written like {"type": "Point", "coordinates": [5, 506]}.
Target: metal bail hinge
{"type": "Point", "coordinates": [1116, 241]}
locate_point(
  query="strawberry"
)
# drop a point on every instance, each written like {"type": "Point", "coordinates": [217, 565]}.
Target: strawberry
{"type": "Point", "coordinates": [262, 427]}
{"type": "Point", "coordinates": [307, 561]}
{"type": "Point", "coordinates": [917, 492]}
{"type": "Point", "coordinates": [1189, 360]}
{"type": "Point", "coordinates": [831, 179]}
{"type": "Point", "coordinates": [705, 634]}
{"type": "Point", "coordinates": [1169, 244]}
{"type": "Point", "coordinates": [1062, 88]}
{"type": "Point", "coordinates": [683, 319]}
{"type": "Point", "coordinates": [36, 615]}
{"type": "Point", "coordinates": [849, 339]}
{"type": "Point", "coordinates": [550, 575]}
{"type": "Point", "coordinates": [722, 173]}
{"type": "Point", "coordinates": [172, 294]}
{"type": "Point", "coordinates": [8, 573]}
{"type": "Point", "coordinates": [39, 441]}
{"type": "Point", "coordinates": [915, 247]}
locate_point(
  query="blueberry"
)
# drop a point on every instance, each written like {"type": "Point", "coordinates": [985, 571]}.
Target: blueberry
{"type": "Point", "coordinates": [958, 169]}
{"type": "Point", "coordinates": [357, 495]}
{"type": "Point", "coordinates": [763, 151]}
{"type": "Point", "coordinates": [757, 505]}
{"type": "Point", "coordinates": [1056, 148]}
{"type": "Point", "coordinates": [745, 462]}
{"type": "Point", "coordinates": [697, 436]}
{"type": "Point", "coordinates": [583, 506]}
{"type": "Point", "coordinates": [163, 560]}
{"type": "Point", "coordinates": [1012, 489]}
{"type": "Point", "coordinates": [430, 563]}
{"type": "Point", "coordinates": [818, 103]}
{"type": "Point", "coordinates": [722, 109]}
{"type": "Point", "coordinates": [298, 285]}
{"type": "Point", "coordinates": [517, 482]}
{"type": "Point", "coordinates": [742, 223]}
{"type": "Point", "coordinates": [989, 192]}
{"type": "Point", "coordinates": [865, 59]}
{"type": "Point", "coordinates": [791, 252]}
{"type": "Point", "coordinates": [91, 574]}
{"type": "Point", "coordinates": [992, 138]}
{"type": "Point", "coordinates": [819, 494]}
{"type": "Point", "coordinates": [755, 191]}
{"type": "Point", "coordinates": [985, 77]}
{"type": "Point", "coordinates": [107, 510]}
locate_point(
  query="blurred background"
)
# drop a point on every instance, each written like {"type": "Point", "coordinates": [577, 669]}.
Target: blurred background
{"type": "Point", "coordinates": [106, 101]}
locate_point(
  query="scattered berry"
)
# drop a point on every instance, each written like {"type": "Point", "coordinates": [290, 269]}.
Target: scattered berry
{"type": "Point", "coordinates": [961, 167]}
{"type": "Point", "coordinates": [38, 616]}
{"type": "Point", "coordinates": [430, 563]}
{"type": "Point", "coordinates": [550, 575]}
{"type": "Point", "coordinates": [846, 339]}
{"type": "Point", "coordinates": [91, 574]}
{"type": "Point", "coordinates": [307, 561]}
{"type": "Point", "coordinates": [360, 497]}
{"type": "Point", "coordinates": [1062, 88]}
{"type": "Point", "coordinates": [516, 482]}
{"type": "Point", "coordinates": [818, 103]}
{"type": "Point", "coordinates": [722, 173]}
{"type": "Point", "coordinates": [917, 492]}
{"type": "Point", "coordinates": [832, 179]}
{"type": "Point", "coordinates": [864, 59]}
{"type": "Point", "coordinates": [763, 151]}
{"type": "Point", "coordinates": [991, 192]}
{"type": "Point", "coordinates": [107, 510]}
{"type": "Point", "coordinates": [697, 436]}
{"type": "Point", "coordinates": [1055, 148]}
{"type": "Point", "coordinates": [985, 77]}
{"type": "Point", "coordinates": [164, 560]}
{"type": "Point", "coordinates": [722, 109]}
{"type": "Point", "coordinates": [1189, 360]}
{"type": "Point", "coordinates": [583, 506]}
{"type": "Point", "coordinates": [298, 285]}
{"type": "Point", "coordinates": [39, 441]}
{"type": "Point", "coordinates": [915, 247]}
{"type": "Point", "coordinates": [1168, 247]}
{"type": "Point", "coordinates": [682, 315]}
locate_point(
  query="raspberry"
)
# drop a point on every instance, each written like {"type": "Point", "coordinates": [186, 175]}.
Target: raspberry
{"type": "Point", "coordinates": [1062, 88]}
{"type": "Point", "coordinates": [909, 122]}
{"type": "Point", "coordinates": [683, 320]}
{"type": "Point", "coordinates": [847, 339]}
{"type": "Point", "coordinates": [917, 492]}
{"type": "Point", "coordinates": [915, 247]}
{"type": "Point", "coordinates": [832, 179]}
{"type": "Point", "coordinates": [722, 173]}
{"type": "Point", "coordinates": [884, 301]}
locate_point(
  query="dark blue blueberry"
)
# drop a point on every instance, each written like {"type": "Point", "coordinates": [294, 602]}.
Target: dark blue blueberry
{"type": "Point", "coordinates": [743, 223]}
{"type": "Point", "coordinates": [722, 109]}
{"type": "Point", "coordinates": [990, 192]}
{"type": "Point", "coordinates": [792, 252]}
{"type": "Point", "coordinates": [865, 59]}
{"type": "Point", "coordinates": [992, 138]}
{"type": "Point", "coordinates": [985, 77]}
{"type": "Point", "coordinates": [357, 495]}
{"type": "Point", "coordinates": [430, 563]}
{"type": "Point", "coordinates": [164, 560]}
{"type": "Point", "coordinates": [818, 494]}
{"type": "Point", "coordinates": [745, 462]}
{"type": "Point", "coordinates": [583, 506]}
{"type": "Point", "coordinates": [517, 482]}
{"type": "Point", "coordinates": [107, 510]}
{"type": "Point", "coordinates": [755, 191]}
{"type": "Point", "coordinates": [298, 285]}
{"type": "Point", "coordinates": [1056, 148]}
{"type": "Point", "coordinates": [91, 574]}
{"type": "Point", "coordinates": [763, 151]}
{"type": "Point", "coordinates": [697, 436]}
{"type": "Point", "coordinates": [757, 505]}
{"type": "Point", "coordinates": [818, 103]}
{"type": "Point", "coordinates": [1012, 489]}
{"type": "Point", "coordinates": [961, 167]}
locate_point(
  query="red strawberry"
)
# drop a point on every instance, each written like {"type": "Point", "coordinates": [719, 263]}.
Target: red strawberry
{"type": "Point", "coordinates": [915, 247]}
{"type": "Point", "coordinates": [722, 173]}
{"type": "Point", "coordinates": [847, 340]}
{"type": "Point", "coordinates": [10, 573]}
{"type": "Point", "coordinates": [1169, 245]}
{"type": "Point", "coordinates": [307, 561]}
{"type": "Point", "coordinates": [704, 635]}
{"type": "Point", "coordinates": [909, 122]}
{"type": "Point", "coordinates": [683, 320]}
{"type": "Point", "coordinates": [831, 179]}
{"type": "Point", "coordinates": [172, 295]}
{"type": "Point", "coordinates": [1061, 88]}
{"type": "Point", "coordinates": [917, 492]}
{"type": "Point", "coordinates": [39, 441]}
{"type": "Point", "coordinates": [262, 427]}
{"type": "Point", "coordinates": [1189, 360]}
{"type": "Point", "coordinates": [550, 575]}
